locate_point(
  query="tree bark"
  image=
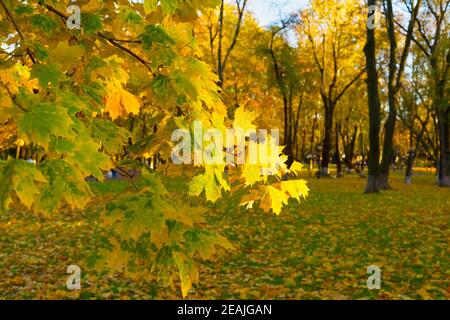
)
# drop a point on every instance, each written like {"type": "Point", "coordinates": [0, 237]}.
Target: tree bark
{"type": "Point", "coordinates": [311, 144]}
{"type": "Point", "coordinates": [394, 83]}
{"type": "Point", "coordinates": [339, 173]}
{"type": "Point", "coordinates": [374, 108]}
{"type": "Point", "coordinates": [326, 147]}
{"type": "Point", "coordinates": [349, 150]}
{"type": "Point", "coordinates": [444, 144]}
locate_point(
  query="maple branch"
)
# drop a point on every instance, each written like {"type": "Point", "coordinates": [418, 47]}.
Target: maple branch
{"type": "Point", "coordinates": [130, 52]}
{"type": "Point", "coordinates": [14, 98]}
{"type": "Point", "coordinates": [127, 41]}
{"type": "Point", "coordinates": [111, 40]}
{"type": "Point", "coordinates": [10, 17]}
{"type": "Point", "coordinates": [129, 177]}
{"type": "Point", "coordinates": [10, 54]}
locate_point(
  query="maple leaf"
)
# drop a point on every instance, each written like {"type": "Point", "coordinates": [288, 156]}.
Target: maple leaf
{"type": "Point", "coordinates": [64, 183]}
{"type": "Point", "coordinates": [211, 182]}
{"type": "Point", "coordinates": [155, 34]}
{"type": "Point", "coordinates": [89, 160]}
{"type": "Point", "coordinates": [66, 55]}
{"type": "Point", "coordinates": [243, 120]}
{"type": "Point", "coordinates": [295, 188]}
{"type": "Point", "coordinates": [47, 73]}
{"type": "Point", "coordinates": [273, 199]}
{"type": "Point", "coordinates": [38, 124]}
{"type": "Point", "coordinates": [205, 242]}
{"type": "Point", "coordinates": [110, 135]}
{"type": "Point", "coordinates": [296, 168]}
{"type": "Point", "coordinates": [120, 102]}
{"type": "Point", "coordinates": [187, 271]}
{"type": "Point", "coordinates": [21, 178]}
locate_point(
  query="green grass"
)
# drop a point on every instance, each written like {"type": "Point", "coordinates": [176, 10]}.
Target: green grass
{"type": "Point", "coordinates": [319, 249]}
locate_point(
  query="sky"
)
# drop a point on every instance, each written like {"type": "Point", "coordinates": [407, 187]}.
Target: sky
{"type": "Point", "coordinates": [268, 12]}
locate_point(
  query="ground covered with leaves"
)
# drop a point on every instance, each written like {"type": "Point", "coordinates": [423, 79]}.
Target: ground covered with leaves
{"type": "Point", "coordinates": [317, 250]}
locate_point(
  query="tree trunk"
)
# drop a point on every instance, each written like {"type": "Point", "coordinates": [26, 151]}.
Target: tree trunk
{"type": "Point", "coordinates": [444, 137]}
{"type": "Point", "coordinates": [389, 126]}
{"type": "Point", "coordinates": [374, 108]}
{"type": "Point", "coordinates": [311, 147]}
{"type": "Point", "coordinates": [409, 167]}
{"type": "Point", "coordinates": [388, 147]}
{"type": "Point", "coordinates": [339, 173]}
{"type": "Point", "coordinates": [394, 83]}
{"type": "Point", "coordinates": [350, 151]}
{"type": "Point", "coordinates": [303, 145]}
{"type": "Point", "coordinates": [326, 148]}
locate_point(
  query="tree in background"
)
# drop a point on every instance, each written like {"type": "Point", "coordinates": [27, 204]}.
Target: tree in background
{"type": "Point", "coordinates": [337, 52]}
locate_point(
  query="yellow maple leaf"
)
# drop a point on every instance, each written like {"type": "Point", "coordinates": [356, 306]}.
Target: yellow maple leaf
{"type": "Point", "coordinates": [295, 188]}
{"type": "Point", "coordinates": [120, 102]}
{"type": "Point", "coordinates": [296, 168]}
{"type": "Point", "coordinates": [187, 271]}
{"type": "Point", "coordinates": [243, 120]}
{"type": "Point", "coordinates": [273, 199]}
{"type": "Point", "coordinates": [252, 174]}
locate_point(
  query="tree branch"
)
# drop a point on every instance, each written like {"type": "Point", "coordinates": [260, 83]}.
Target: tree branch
{"type": "Point", "coordinates": [112, 41]}
{"type": "Point", "coordinates": [14, 98]}
{"type": "Point", "coordinates": [413, 39]}
{"type": "Point", "coordinates": [409, 34]}
{"type": "Point", "coordinates": [241, 11]}
{"type": "Point", "coordinates": [10, 17]}
{"type": "Point", "coordinates": [349, 85]}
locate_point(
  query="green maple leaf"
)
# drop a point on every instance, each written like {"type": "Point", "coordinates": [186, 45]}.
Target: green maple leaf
{"type": "Point", "coordinates": [47, 73]}
{"type": "Point", "coordinates": [88, 159]}
{"type": "Point", "coordinates": [90, 23]}
{"type": "Point", "coordinates": [65, 183]}
{"type": "Point", "coordinates": [44, 22]}
{"type": "Point", "coordinates": [44, 121]}
{"type": "Point", "coordinates": [154, 34]}
{"type": "Point", "coordinates": [113, 137]}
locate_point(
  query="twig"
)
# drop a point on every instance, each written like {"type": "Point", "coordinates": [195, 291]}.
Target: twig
{"type": "Point", "coordinates": [13, 98]}
{"type": "Point", "coordinates": [10, 17]}
{"type": "Point", "coordinates": [118, 45]}
{"type": "Point", "coordinates": [129, 177]}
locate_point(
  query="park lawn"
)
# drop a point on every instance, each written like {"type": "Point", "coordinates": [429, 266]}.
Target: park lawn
{"type": "Point", "coordinates": [319, 249]}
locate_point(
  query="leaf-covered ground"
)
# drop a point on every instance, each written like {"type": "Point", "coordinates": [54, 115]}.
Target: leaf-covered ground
{"type": "Point", "coordinates": [317, 250]}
